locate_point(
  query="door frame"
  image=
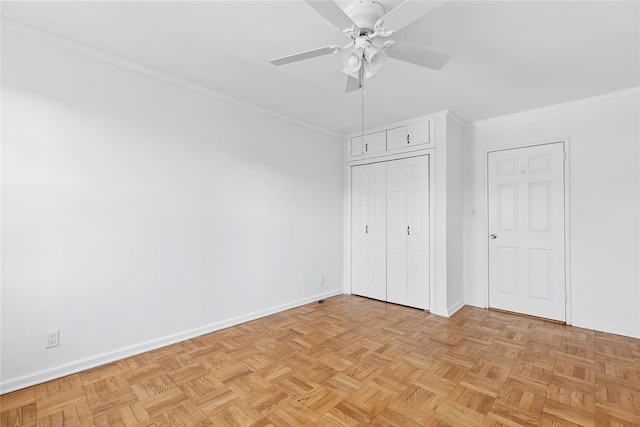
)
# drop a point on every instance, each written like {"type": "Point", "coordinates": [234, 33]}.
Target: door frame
{"type": "Point", "coordinates": [567, 215]}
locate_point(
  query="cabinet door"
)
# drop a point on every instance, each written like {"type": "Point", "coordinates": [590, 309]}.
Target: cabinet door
{"type": "Point", "coordinates": [408, 232]}
{"type": "Point", "coordinates": [356, 146]}
{"type": "Point", "coordinates": [375, 142]}
{"type": "Point", "coordinates": [419, 133]}
{"type": "Point", "coordinates": [397, 138]}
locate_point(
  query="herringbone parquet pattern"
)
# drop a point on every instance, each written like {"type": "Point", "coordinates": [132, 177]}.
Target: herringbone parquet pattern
{"type": "Point", "coordinates": [354, 362]}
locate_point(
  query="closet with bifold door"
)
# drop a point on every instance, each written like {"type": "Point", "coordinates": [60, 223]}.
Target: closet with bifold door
{"type": "Point", "coordinates": [390, 231]}
{"type": "Point", "coordinates": [405, 213]}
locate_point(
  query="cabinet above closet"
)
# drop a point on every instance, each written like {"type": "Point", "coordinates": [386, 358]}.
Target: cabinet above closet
{"type": "Point", "coordinates": [397, 139]}
{"type": "Point", "coordinates": [409, 135]}
{"type": "Point", "coordinates": [369, 144]}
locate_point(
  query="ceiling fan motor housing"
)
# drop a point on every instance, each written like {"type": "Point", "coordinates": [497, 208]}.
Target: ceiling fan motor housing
{"type": "Point", "coordinates": [365, 14]}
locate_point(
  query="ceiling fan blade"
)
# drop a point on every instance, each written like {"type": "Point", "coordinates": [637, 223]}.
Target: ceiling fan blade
{"type": "Point", "coordinates": [418, 55]}
{"type": "Point", "coordinates": [306, 55]}
{"type": "Point", "coordinates": [332, 13]}
{"type": "Point", "coordinates": [353, 84]}
{"type": "Point", "coordinates": [407, 12]}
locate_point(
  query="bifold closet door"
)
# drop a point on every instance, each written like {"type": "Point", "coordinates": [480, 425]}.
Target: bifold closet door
{"type": "Point", "coordinates": [368, 231]}
{"type": "Point", "coordinates": [408, 232]}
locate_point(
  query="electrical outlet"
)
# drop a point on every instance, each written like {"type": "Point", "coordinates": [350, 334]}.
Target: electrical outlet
{"type": "Point", "coordinates": [321, 281]}
{"type": "Point", "coordinates": [53, 338]}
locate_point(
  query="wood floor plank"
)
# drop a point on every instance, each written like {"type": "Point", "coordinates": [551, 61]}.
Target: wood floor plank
{"type": "Point", "coordinates": [353, 361]}
{"type": "Point", "coordinates": [25, 415]}
{"type": "Point", "coordinates": [505, 413]}
{"type": "Point", "coordinates": [18, 399]}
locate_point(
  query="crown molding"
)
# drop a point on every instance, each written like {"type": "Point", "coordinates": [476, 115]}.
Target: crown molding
{"type": "Point", "coordinates": [457, 120]}
{"type": "Point", "coordinates": [43, 36]}
{"type": "Point", "coordinates": [557, 107]}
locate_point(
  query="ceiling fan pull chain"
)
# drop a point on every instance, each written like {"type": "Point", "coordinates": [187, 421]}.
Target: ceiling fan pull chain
{"type": "Point", "coordinates": [361, 79]}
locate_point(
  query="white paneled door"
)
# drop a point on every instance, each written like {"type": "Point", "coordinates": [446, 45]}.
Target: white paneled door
{"type": "Point", "coordinates": [526, 200]}
{"type": "Point", "coordinates": [408, 232]}
{"type": "Point", "coordinates": [368, 231]}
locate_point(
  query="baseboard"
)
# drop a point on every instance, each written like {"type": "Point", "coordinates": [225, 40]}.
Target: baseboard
{"type": "Point", "coordinates": [479, 304]}
{"type": "Point", "coordinates": [449, 311]}
{"type": "Point", "coordinates": [455, 307]}
{"type": "Point", "coordinates": [596, 326]}
{"type": "Point", "coordinates": [439, 311]}
{"type": "Point", "coordinates": [92, 362]}
{"type": "Point", "coordinates": [603, 327]}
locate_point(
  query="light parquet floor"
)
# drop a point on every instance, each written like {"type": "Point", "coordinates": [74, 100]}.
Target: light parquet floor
{"type": "Point", "coordinates": [353, 361]}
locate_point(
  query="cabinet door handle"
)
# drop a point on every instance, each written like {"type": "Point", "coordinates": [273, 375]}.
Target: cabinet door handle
{"type": "Point", "coordinates": [407, 138]}
{"type": "Point", "coordinates": [366, 147]}
{"type": "Point", "coordinates": [366, 229]}
{"type": "Point", "coordinates": [408, 230]}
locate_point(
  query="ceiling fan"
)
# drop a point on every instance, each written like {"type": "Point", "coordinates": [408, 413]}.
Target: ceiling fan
{"type": "Point", "coordinates": [370, 28]}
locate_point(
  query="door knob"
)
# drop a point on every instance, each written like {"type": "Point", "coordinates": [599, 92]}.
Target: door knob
{"type": "Point", "coordinates": [493, 236]}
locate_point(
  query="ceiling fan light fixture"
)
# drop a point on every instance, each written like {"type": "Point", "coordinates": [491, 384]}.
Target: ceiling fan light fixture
{"type": "Point", "coordinates": [373, 61]}
{"type": "Point", "coordinates": [352, 61]}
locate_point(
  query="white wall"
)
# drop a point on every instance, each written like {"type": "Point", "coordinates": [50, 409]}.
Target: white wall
{"type": "Point", "coordinates": [137, 213]}
{"type": "Point", "coordinates": [440, 227]}
{"type": "Point", "coordinates": [447, 287]}
{"type": "Point", "coordinates": [604, 205]}
{"type": "Point", "coordinates": [454, 195]}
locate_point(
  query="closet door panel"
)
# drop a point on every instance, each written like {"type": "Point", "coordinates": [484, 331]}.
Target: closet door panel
{"type": "Point", "coordinates": [359, 236]}
{"type": "Point", "coordinates": [418, 231]}
{"type": "Point", "coordinates": [396, 232]}
{"type": "Point", "coordinates": [377, 231]}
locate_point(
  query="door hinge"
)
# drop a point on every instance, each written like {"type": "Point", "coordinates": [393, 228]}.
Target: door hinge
{"type": "Point", "coordinates": [564, 156]}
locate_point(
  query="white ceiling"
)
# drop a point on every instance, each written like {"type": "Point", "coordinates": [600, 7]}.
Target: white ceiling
{"type": "Point", "coordinates": [506, 56]}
